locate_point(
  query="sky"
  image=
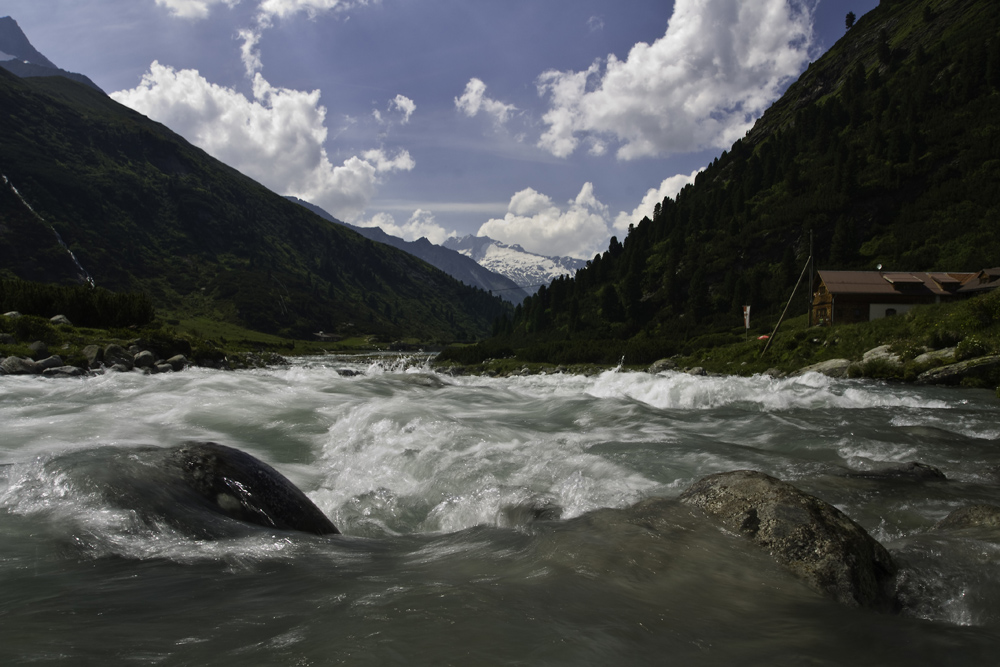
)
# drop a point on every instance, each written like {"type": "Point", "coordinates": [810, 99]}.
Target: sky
{"type": "Point", "coordinates": [553, 124]}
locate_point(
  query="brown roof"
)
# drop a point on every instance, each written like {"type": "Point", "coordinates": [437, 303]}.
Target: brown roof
{"type": "Point", "coordinates": [984, 280]}
{"type": "Point", "coordinates": [891, 282]}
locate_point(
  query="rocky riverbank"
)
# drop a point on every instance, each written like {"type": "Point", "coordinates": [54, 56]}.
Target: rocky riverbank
{"type": "Point", "coordinates": [56, 349]}
{"type": "Point", "coordinates": [944, 366]}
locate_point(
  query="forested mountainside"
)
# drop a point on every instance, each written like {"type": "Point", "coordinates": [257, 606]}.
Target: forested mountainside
{"type": "Point", "coordinates": [143, 210]}
{"type": "Point", "coordinates": [885, 151]}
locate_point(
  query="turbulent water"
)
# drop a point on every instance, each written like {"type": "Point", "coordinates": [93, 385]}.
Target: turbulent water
{"type": "Point", "coordinates": [484, 520]}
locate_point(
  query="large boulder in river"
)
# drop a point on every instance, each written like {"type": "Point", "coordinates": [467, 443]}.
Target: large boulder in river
{"type": "Point", "coordinates": [247, 489]}
{"type": "Point", "coordinates": [810, 537]}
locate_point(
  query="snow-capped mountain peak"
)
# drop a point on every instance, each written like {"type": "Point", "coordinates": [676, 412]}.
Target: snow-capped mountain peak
{"type": "Point", "coordinates": [527, 269]}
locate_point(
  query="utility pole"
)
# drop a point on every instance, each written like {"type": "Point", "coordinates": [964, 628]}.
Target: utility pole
{"type": "Point", "coordinates": [812, 272]}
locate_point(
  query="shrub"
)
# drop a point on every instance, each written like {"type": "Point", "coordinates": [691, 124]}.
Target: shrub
{"type": "Point", "coordinates": [970, 348]}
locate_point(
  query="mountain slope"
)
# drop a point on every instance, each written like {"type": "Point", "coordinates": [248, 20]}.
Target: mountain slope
{"type": "Point", "coordinates": [25, 60]}
{"type": "Point", "coordinates": [143, 210]}
{"type": "Point", "coordinates": [886, 151]}
{"type": "Point", "coordinates": [455, 264]}
{"type": "Point", "coordinates": [527, 269]}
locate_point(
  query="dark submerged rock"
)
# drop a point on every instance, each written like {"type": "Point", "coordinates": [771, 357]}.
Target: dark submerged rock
{"type": "Point", "coordinates": [913, 470]}
{"type": "Point", "coordinates": [247, 489]}
{"type": "Point", "coordinates": [971, 516]}
{"type": "Point", "coordinates": [811, 538]}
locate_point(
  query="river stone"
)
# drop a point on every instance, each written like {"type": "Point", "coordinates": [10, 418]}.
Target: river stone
{"type": "Point", "coordinates": [881, 353]}
{"type": "Point", "coordinates": [145, 359]}
{"type": "Point", "coordinates": [835, 368]}
{"type": "Point", "coordinates": [12, 314]}
{"type": "Point", "coordinates": [163, 368]}
{"type": "Point", "coordinates": [39, 350]}
{"type": "Point", "coordinates": [62, 372]}
{"type": "Point", "coordinates": [247, 489]}
{"type": "Point", "coordinates": [808, 536]}
{"type": "Point", "coordinates": [60, 319]}
{"type": "Point", "coordinates": [116, 355]}
{"type": "Point", "coordinates": [54, 361]}
{"type": "Point", "coordinates": [94, 355]}
{"type": "Point", "coordinates": [971, 516]}
{"type": "Point", "coordinates": [20, 366]}
{"type": "Point", "coordinates": [7, 339]}
{"type": "Point", "coordinates": [946, 355]}
{"type": "Point", "coordinates": [662, 365]}
{"type": "Point", "coordinates": [177, 362]}
{"type": "Point", "coordinates": [955, 373]}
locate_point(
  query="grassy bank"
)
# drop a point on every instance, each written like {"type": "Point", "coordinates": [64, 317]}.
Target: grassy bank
{"type": "Point", "coordinates": [972, 327]}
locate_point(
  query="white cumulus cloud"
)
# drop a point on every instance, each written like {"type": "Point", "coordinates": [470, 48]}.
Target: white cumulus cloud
{"type": "Point", "coordinates": [533, 220]}
{"type": "Point", "coordinates": [405, 106]}
{"type": "Point", "coordinates": [193, 9]}
{"type": "Point", "coordinates": [668, 188]}
{"type": "Point", "coordinates": [275, 138]}
{"type": "Point", "coordinates": [420, 225]}
{"type": "Point", "coordinates": [474, 100]}
{"type": "Point", "coordinates": [283, 8]}
{"type": "Point", "coordinates": [701, 85]}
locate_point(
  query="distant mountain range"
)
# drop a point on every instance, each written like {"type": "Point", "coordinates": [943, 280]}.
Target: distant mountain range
{"type": "Point", "coordinates": [18, 56]}
{"type": "Point", "coordinates": [509, 271]}
{"type": "Point", "coordinates": [529, 270]}
{"type": "Point", "coordinates": [457, 265]}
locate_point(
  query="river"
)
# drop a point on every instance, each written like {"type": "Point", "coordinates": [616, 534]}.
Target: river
{"type": "Point", "coordinates": [482, 520]}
